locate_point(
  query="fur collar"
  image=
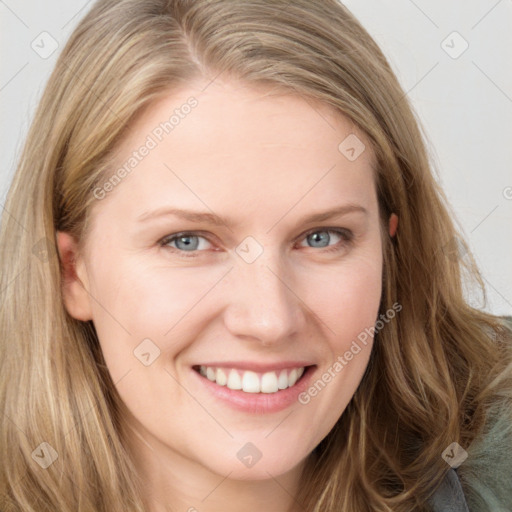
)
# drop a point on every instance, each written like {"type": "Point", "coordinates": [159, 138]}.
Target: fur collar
{"type": "Point", "coordinates": [483, 482]}
{"type": "Point", "coordinates": [486, 475]}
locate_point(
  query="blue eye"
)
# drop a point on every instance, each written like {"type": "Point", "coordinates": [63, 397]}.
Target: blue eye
{"type": "Point", "coordinates": [185, 242]}
{"type": "Point", "coordinates": [190, 241]}
{"type": "Point", "coordinates": [345, 235]}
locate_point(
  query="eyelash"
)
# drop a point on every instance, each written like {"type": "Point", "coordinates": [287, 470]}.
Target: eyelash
{"type": "Point", "coordinates": [346, 235]}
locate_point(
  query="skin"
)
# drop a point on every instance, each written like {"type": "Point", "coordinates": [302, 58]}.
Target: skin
{"type": "Point", "coordinates": [265, 162]}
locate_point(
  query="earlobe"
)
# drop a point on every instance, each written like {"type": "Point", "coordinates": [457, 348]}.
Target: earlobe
{"type": "Point", "coordinates": [73, 278]}
{"type": "Point", "coordinates": [393, 224]}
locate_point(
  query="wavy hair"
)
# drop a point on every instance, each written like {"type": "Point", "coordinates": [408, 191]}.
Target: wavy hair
{"type": "Point", "coordinates": [435, 370]}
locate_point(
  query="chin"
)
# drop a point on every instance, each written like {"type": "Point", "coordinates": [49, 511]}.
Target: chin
{"type": "Point", "coordinates": [271, 466]}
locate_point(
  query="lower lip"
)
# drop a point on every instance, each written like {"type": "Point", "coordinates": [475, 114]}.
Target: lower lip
{"type": "Point", "coordinates": [259, 403]}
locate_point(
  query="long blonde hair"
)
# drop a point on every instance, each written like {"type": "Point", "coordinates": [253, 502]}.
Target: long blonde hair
{"type": "Point", "coordinates": [434, 371]}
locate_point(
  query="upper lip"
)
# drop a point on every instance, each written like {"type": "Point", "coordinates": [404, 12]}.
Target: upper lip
{"type": "Point", "coordinates": [257, 367]}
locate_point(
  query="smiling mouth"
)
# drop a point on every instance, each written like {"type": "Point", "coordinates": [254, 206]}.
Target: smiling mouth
{"type": "Point", "coordinates": [253, 382]}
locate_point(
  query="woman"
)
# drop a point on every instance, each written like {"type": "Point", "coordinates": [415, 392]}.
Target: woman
{"type": "Point", "coordinates": [172, 336]}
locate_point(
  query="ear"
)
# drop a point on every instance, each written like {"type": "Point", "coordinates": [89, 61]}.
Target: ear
{"type": "Point", "coordinates": [393, 224]}
{"type": "Point", "coordinates": [74, 278]}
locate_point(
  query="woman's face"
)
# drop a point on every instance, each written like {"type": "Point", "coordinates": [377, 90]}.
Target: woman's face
{"type": "Point", "coordinates": [256, 291]}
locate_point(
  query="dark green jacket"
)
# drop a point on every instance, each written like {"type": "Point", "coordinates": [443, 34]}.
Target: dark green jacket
{"type": "Point", "coordinates": [483, 482]}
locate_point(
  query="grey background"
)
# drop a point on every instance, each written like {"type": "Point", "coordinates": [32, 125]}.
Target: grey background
{"type": "Point", "coordinates": [463, 100]}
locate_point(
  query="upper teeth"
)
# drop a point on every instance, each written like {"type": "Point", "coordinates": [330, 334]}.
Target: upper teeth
{"type": "Point", "coordinates": [252, 382]}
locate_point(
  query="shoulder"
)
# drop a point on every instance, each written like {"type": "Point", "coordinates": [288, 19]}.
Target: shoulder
{"type": "Point", "coordinates": [486, 474]}
{"type": "Point", "coordinates": [482, 483]}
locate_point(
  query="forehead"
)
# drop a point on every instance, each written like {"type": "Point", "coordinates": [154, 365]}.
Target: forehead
{"type": "Point", "coordinates": [243, 147]}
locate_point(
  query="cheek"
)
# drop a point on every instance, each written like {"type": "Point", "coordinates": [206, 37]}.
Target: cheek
{"type": "Point", "coordinates": [132, 303]}
{"type": "Point", "coordinates": [357, 298]}
{"type": "Point", "coordinates": [347, 301]}
{"type": "Point", "coordinates": [346, 298]}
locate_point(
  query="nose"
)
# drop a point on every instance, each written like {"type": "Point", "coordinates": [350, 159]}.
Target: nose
{"type": "Point", "coordinates": [263, 305]}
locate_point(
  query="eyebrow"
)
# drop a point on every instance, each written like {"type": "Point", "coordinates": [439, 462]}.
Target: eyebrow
{"type": "Point", "coordinates": [216, 220]}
